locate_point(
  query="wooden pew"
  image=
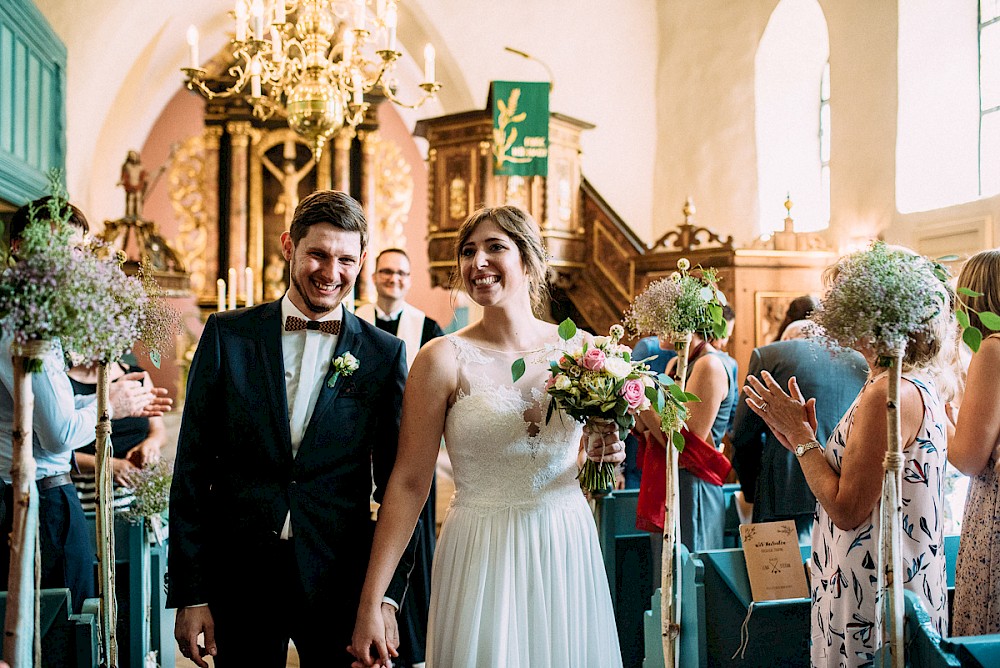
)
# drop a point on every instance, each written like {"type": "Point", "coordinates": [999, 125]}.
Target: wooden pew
{"type": "Point", "coordinates": [68, 640]}
{"type": "Point", "coordinates": [923, 644]}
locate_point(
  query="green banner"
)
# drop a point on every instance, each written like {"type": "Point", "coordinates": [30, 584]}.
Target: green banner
{"type": "Point", "coordinates": [520, 128]}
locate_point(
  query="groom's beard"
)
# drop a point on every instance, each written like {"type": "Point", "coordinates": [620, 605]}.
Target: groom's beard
{"type": "Point", "coordinates": [313, 306]}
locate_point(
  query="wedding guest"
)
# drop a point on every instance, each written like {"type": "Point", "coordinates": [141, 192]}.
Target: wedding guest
{"type": "Point", "coordinates": [135, 441]}
{"type": "Point", "coordinates": [392, 314]}
{"type": "Point", "coordinates": [799, 309]}
{"type": "Point", "coordinates": [975, 451]}
{"type": "Point", "coordinates": [846, 476]}
{"type": "Point", "coordinates": [60, 425]}
{"type": "Point", "coordinates": [770, 477]}
{"type": "Point", "coordinates": [518, 577]}
{"type": "Point", "coordinates": [711, 375]}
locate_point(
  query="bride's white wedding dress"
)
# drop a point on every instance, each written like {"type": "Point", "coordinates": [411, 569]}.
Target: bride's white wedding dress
{"type": "Point", "coordinates": [518, 579]}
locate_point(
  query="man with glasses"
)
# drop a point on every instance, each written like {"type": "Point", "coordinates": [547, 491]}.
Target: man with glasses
{"type": "Point", "coordinates": [392, 314]}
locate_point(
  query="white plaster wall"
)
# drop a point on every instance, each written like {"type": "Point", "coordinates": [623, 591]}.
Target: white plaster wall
{"type": "Point", "coordinates": [125, 56]}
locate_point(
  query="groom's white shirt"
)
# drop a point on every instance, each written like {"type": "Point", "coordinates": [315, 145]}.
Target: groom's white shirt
{"type": "Point", "coordinates": [307, 355]}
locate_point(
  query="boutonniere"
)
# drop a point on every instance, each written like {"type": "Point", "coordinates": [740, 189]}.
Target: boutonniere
{"type": "Point", "coordinates": [344, 365]}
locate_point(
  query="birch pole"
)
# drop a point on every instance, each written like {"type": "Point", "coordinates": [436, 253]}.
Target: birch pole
{"type": "Point", "coordinates": [106, 523]}
{"type": "Point", "coordinates": [670, 600]}
{"type": "Point", "coordinates": [20, 624]}
{"type": "Point", "coordinates": [890, 560]}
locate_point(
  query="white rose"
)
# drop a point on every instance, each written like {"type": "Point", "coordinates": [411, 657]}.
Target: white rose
{"type": "Point", "coordinates": [601, 341]}
{"type": "Point", "coordinates": [563, 383]}
{"type": "Point", "coordinates": [617, 367]}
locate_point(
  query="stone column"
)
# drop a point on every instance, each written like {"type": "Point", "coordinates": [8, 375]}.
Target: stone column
{"type": "Point", "coordinates": [342, 160]}
{"type": "Point", "coordinates": [239, 175]}
{"type": "Point", "coordinates": [369, 176]}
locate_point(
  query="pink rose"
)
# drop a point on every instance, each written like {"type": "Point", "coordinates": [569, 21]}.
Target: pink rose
{"type": "Point", "coordinates": [593, 360]}
{"type": "Point", "coordinates": [550, 383]}
{"type": "Point", "coordinates": [634, 392]}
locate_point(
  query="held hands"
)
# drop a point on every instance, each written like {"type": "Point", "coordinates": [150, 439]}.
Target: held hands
{"type": "Point", "coordinates": [601, 443]}
{"type": "Point", "coordinates": [376, 634]}
{"type": "Point", "coordinates": [133, 395]}
{"type": "Point", "coordinates": [189, 624]}
{"type": "Point", "coordinates": [790, 416]}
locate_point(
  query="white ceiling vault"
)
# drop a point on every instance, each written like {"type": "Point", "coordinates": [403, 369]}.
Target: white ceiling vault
{"type": "Point", "coordinates": [125, 58]}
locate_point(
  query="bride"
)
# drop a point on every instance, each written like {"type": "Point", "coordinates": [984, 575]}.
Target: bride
{"type": "Point", "coordinates": [518, 580]}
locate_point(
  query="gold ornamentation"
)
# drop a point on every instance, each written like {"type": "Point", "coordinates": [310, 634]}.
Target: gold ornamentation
{"type": "Point", "coordinates": [458, 198]}
{"type": "Point", "coordinates": [393, 192]}
{"type": "Point", "coordinates": [189, 197]}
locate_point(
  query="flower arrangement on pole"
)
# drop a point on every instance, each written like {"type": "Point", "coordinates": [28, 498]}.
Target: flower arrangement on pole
{"type": "Point", "coordinates": [882, 297]}
{"type": "Point", "coordinates": [58, 298]}
{"type": "Point", "coordinates": [674, 308]}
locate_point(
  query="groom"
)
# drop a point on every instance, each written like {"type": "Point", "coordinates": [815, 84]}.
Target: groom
{"type": "Point", "coordinates": [270, 523]}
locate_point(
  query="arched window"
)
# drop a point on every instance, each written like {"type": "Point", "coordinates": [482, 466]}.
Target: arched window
{"type": "Point", "coordinates": [792, 138]}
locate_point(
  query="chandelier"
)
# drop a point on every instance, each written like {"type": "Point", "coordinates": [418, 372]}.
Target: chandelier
{"type": "Point", "coordinates": [312, 61]}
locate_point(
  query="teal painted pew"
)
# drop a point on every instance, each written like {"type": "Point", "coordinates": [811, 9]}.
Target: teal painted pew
{"type": "Point", "coordinates": [628, 562]}
{"type": "Point", "coordinates": [139, 571]}
{"type": "Point", "coordinates": [68, 640]}
{"type": "Point", "coordinates": [692, 651]}
{"type": "Point", "coordinates": [923, 644]}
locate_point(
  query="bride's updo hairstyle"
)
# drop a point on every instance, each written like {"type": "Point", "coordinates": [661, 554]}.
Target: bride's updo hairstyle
{"type": "Point", "coordinates": [523, 231]}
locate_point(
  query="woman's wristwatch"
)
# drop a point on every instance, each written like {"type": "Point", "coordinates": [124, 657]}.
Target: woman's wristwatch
{"type": "Point", "coordinates": [806, 447]}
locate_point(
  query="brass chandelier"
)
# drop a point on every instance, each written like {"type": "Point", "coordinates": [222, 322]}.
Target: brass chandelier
{"type": "Point", "coordinates": [313, 61]}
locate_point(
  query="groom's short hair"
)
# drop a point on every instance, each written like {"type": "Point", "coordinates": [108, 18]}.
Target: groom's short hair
{"type": "Point", "coordinates": [329, 206]}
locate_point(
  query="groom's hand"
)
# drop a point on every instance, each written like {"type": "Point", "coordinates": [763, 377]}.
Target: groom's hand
{"type": "Point", "coordinates": [375, 640]}
{"type": "Point", "coordinates": [190, 623]}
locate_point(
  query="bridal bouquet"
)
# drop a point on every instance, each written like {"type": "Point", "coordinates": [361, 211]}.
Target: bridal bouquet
{"type": "Point", "coordinates": [600, 382]}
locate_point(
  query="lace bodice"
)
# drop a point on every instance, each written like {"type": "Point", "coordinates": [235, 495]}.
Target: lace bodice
{"type": "Point", "coordinates": [502, 452]}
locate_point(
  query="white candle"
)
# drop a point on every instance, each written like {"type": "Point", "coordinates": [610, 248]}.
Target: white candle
{"type": "Point", "coordinates": [390, 26]}
{"type": "Point", "coordinates": [359, 14]}
{"type": "Point", "coordinates": [257, 14]}
{"type": "Point", "coordinates": [221, 285]}
{"type": "Point", "coordinates": [255, 78]}
{"type": "Point", "coordinates": [232, 288]}
{"type": "Point", "coordinates": [380, 10]}
{"type": "Point", "coordinates": [277, 51]}
{"type": "Point", "coordinates": [429, 63]}
{"type": "Point", "coordinates": [248, 276]}
{"type": "Point", "coordinates": [192, 38]}
{"type": "Point", "coordinates": [279, 11]}
{"type": "Point", "coordinates": [241, 21]}
{"type": "Point", "coordinates": [358, 91]}
{"type": "Point", "coordinates": [348, 45]}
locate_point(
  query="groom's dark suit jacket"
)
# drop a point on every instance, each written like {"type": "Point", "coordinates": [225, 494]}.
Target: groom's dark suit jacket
{"type": "Point", "coordinates": [235, 478]}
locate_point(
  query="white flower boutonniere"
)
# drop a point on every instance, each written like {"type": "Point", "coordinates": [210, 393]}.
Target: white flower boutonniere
{"type": "Point", "coordinates": [344, 365]}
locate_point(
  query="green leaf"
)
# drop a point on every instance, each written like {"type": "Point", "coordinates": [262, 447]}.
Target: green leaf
{"type": "Point", "coordinates": [665, 379]}
{"type": "Point", "coordinates": [947, 258]}
{"type": "Point", "coordinates": [567, 329]}
{"type": "Point", "coordinates": [973, 338]}
{"type": "Point", "coordinates": [652, 393]}
{"type": "Point", "coordinates": [627, 356]}
{"type": "Point", "coordinates": [968, 292]}
{"type": "Point", "coordinates": [154, 357]}
{"type": "Point", "coordinates": [721, 297]}
{"type": "Point", "coordinates": [688, 396]}
{"type": "Point", "coordinates": [963, 318]}
{"type": "Point", "coordinates": [554, 368]}
{"type": "Point", "coordinates": [517, 369]}
{"type": "Point", "coordinates": [707, 294]}
{"type": "Point", "coordinates": [678, 393]}
{"type": "Point", "coordinates": [678, 440]}
{"type": "Point", "coordinates": [551, 409]}
{"type": "Point", "coordinates": [990, 319]}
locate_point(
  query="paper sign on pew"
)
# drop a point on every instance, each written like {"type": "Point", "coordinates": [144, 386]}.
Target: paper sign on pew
{"type": "Point", "coordinates": [774, 561]}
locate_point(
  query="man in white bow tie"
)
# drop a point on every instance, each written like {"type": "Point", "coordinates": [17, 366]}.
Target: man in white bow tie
{"type": "Point", "coordinates": [392, 314]}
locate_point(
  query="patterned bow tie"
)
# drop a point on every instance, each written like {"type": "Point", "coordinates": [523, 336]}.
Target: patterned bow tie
{"type": "Point", "coordinates": [293, 324]}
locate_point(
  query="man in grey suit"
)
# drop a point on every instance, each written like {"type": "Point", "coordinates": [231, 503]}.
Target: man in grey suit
{"type": "Point", "coordinates": [769, 475]}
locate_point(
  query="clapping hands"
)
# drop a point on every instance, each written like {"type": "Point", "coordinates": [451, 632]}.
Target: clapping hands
{"type": "Point", "coordinates": [133, 395]}
{"type": "Point", "coordinates": [791, 417]}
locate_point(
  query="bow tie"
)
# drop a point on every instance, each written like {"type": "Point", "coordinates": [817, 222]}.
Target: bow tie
{"type": "Point", "coordinates": [293, 324]}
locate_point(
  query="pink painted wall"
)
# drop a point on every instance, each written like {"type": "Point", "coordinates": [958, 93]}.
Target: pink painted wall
{"type": "Point", "coordinates": [435, 302]}
{"type": "Point", "coordinates": [183, 117]}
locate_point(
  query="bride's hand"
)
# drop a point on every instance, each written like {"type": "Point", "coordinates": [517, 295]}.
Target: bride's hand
{"type": "Point", "coordinates": [378, 632]}
{"type": "Point", "coordinates": [601, 443]}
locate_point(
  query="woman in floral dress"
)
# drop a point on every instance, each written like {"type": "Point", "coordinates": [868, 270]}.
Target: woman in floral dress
{"type": "Point", "coordinates": [846, 477]}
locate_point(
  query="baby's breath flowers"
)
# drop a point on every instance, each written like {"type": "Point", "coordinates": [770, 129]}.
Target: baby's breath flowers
{"type": "Point", "coordinates": [679, 304]}
{"type": "Point", "coordinates": [881, 297]}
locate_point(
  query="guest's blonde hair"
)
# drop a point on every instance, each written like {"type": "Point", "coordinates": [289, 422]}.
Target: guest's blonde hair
{"type": "Point", "coordinates": [981, 274]}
